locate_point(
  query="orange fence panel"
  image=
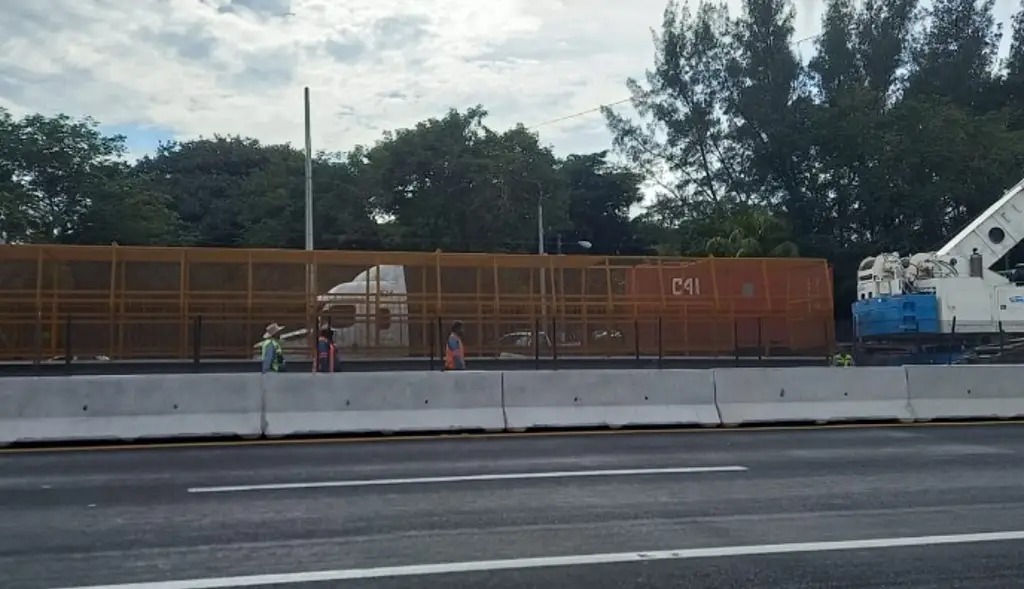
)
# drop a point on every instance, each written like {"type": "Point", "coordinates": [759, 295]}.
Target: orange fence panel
{"type": "Point", "coordinates": [150, 302]}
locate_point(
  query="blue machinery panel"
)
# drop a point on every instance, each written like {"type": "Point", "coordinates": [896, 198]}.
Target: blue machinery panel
{"type": "Point", "coordinates": [898, 314]}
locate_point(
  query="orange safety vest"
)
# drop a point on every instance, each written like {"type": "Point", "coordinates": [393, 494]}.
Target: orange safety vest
{"type": "Point", "coordinates": [449, 355]}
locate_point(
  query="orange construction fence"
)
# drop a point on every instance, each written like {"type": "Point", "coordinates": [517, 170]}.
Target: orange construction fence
{"type": "Point", "coordinates": [161, 302]}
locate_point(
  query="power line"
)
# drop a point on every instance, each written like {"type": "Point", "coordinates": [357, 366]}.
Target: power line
{"type": "Point", "coordinates": [805, 39]}
{"type": "Point", "coordinates": [625, 100]}
{"type": "Point", "coordinates": [579, 114]}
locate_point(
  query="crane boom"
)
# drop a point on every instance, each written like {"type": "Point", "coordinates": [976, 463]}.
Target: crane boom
{"type": "Point", "coordinates": [992, 233]}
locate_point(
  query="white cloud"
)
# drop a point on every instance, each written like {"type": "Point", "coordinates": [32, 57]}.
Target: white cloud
{"type": "Point", "coordinates": [238, 66]}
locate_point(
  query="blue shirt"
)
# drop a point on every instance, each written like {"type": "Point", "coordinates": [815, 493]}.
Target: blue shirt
{"type": "Point", "coordinates": [326, 356]}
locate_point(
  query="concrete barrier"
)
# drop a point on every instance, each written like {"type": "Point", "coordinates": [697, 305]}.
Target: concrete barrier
{"type": "Point", "coordinates": [952, 392]}
{"type": "Point", "coordinates": [249, 405]}
{"type": "Point", "coordinates": [817, 394]}
{"type": "Point", "coordinates": [609, 398]}
{"type": "Point", "coordinates": [298, 404]}
{"type": "Point", "coordinates": [129, 407]}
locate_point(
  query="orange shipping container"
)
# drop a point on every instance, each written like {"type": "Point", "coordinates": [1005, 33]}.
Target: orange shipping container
{"type": "Point", "coordinates": [724, 305]}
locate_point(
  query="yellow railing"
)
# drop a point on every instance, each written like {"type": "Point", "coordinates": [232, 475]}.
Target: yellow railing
{"type": "Point", "coordinates": [144, 302]}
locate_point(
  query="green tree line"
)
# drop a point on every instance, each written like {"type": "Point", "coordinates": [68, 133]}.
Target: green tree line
{"type": "Point", "coordinates": [449, 183]}
{"type": "Point", "coordinates": [904, 124]}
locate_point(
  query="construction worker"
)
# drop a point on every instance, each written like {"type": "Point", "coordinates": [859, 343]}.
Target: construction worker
{"type": "Point", "coordinates": [270, 349]}
{"type": "Point", "coordinates": [842, 358]}
{"type": "Point", "coordinates": [455, 350]}
{"type": "Point", "coordinates": [326, 351]}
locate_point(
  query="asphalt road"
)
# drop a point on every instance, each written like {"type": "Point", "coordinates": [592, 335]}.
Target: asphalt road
{"type": "Point", "coordinates": [486, 518]}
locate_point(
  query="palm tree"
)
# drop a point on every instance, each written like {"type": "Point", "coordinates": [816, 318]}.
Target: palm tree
{"type": "Point", "coordinates": [753, 233]}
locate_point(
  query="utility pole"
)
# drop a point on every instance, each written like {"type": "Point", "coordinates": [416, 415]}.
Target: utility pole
{"type": "Point", "coordinates": [540, 250]}
{"type": "Point", "coordinates": [540, 226]}
{"type": "Point", "coordinates": [310, 266]}
{"type": "Point", "coordinates": [309, 178]}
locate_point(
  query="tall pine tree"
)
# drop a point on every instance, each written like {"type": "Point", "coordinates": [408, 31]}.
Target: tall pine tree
{"type": "Point", "coordinates": [957, 56]}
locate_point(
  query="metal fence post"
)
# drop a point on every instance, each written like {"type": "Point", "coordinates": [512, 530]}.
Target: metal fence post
{"type": "Point", "coordinates": [918, 346]}
{"type": "Point", "coordinates": [857, 344]}
{"type": "Point", "coordinates": [736, 341]}
{"type": "Point", "coordinates": [760, 338]}
{"type": "Point", "coordinates": [636, 341]}
{"type": "Point", "coordinates": [67, 342]}
{"type": "Point", "coordinates": [314, 341]}
{"type": "Point", "coordinates": [197, 340]}
{"type": "Point", "coordinates": [554, 341]}
{"type": "Point", "coordinates": [338, 365]}
{"type": "Point", "coordinates": [441, 340]}
{"type": "Point", "coordinates": [38, 335]}
{"type": "Point", "coordinates": [1002, 338]}
{"type": "Point", "coordinates": [536, 344]}
{"type": "Point", "coordinates": [433, 343]}
{"type": "Point", "coordinates": [661, 344]}
{"type": "Point", "coordinates": [952, 337]}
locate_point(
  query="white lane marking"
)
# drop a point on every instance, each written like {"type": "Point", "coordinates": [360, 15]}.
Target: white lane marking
{"type": "Point", "coordinates": [470, 478]}
{"type": "Point", "coordinates": [557, 561]}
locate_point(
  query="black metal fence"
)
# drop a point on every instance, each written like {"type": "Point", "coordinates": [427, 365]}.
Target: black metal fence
{"type": "Point", "coordinates": [548, 345]}
{"type": "Point", "coordinates": [949, 342]}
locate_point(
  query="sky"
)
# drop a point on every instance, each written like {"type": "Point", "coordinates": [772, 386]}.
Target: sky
{"type": "Point", "coordinates": [158, 70]}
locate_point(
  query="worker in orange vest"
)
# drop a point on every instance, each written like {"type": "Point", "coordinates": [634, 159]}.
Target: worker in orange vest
{"type": "Point", "coordinates": [326, 351]}
{"type": "Point", "coordinates": [455, 350]}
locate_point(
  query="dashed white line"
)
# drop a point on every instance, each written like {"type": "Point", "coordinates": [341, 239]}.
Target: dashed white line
{"type": "Point", "coordinates": [560, 561]}
{"type": "Point", "coordinates": [470, 478]}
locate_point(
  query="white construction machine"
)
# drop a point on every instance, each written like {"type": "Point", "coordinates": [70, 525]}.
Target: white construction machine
{"type": "Point", "coordinates": [951, 290]}
{"type": "Point", "coordinates": [369, 312]}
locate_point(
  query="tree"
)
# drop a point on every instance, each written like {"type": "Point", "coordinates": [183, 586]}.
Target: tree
{"type": "Point", "coordinates": [886, 140]}
{"type": "Point", "coordinates": [275, 213]}
{"type": "Point", "coordinates": [944, 167]}
{"type": "Point", "coordinates": [681, 143]}
{"type": "Point", "coordinates": [14, 199]}
{"type": "Point", "coordinates": [836, 67]}
{"type": "Point", "coordinates": [752, 232]}
{"type": "Point", "coordinates": [884, 29]}
{"type": "Point", "coordinates": [854, 74]}
{"type": "Point", "coordinates": [956, 58]}
{"type": "Point", "coordinates": [599, 199]}
{"type": "Point", "coordinates": [1015, 59]}
{"type": "Point", "coordinates": [771, 109]}
{"type": "Point", "coordinates": [234, 191]}
{"type": "Point", "coordinates": [61, 180]}
{"type": "Point", "coordinates": [203, 180]}
{"type": "Point", "coordinates": [1013, 83]}
{"type": "Point", "coordinates": [124, 211]}
{"type": "Point", "coordinates": [456, 185]}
